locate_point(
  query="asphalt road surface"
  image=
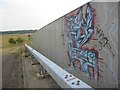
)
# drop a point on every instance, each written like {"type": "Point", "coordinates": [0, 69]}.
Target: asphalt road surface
{"type": "Point", "coordinates": [17, 73]}
{"type": "Point", "coordinates": [10, 71]}
{"type": "Point", "coordinates": [0, 70]}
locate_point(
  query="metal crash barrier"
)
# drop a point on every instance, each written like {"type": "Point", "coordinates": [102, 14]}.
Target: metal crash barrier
{"type": "Point", "coordinates": [62, 77]}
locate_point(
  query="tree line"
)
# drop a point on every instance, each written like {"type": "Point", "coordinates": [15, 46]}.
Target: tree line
{"type": "Point", "coordinates": [18, 32]}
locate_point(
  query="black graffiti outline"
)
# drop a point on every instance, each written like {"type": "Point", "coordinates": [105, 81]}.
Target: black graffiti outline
{"type": "Point", "coordinates": [103, 41]}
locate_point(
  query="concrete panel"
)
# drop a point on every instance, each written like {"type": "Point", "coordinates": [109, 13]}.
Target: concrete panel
{"type": "Point", "coordinates": [59, 43]}
{"type": "Point", "coordinates": [85, 43]}
{"type": "Point", "coordinates": [39, 42]}
{"type": "Point", "coordinates": [109, 26]}
{"type": "Point", "coordinates": [47, 42]}
{"type": "Point", "coordinates": [42, 40]}
{"type": "Point", "coordinates": [90, 42]}
{"type": "Point", "coordinates": [52, 41]}
{"type": "Point", "coordinates": [35, 38]}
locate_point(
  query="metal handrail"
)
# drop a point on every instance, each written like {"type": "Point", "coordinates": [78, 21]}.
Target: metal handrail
{"type": "Point", "coordinates": [61, 76]}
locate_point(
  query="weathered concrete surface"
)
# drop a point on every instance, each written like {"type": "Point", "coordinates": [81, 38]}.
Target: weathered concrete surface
{"type": "Point", "coordinates": [30, 76]}
{"type": "Point", "coordinates": [88, 50]}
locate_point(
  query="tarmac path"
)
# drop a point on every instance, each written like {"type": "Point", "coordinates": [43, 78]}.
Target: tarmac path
{"type": "Point", "coordinates": [15, 77]}
{"type": "Point", "coordinates": [10, 71]}
{"type": "Point", "coordinates": [0, 69]}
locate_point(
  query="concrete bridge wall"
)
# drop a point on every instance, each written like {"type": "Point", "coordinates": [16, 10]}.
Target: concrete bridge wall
{"type": "Point", "coordinates": [84, 42]}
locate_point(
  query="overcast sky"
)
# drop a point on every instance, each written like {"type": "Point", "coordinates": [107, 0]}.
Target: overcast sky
{"type": "Point", "coordinates": [33, 14]}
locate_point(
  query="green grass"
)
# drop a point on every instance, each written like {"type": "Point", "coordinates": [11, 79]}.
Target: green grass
{"type": "Point", "coordinates": [5, 40]}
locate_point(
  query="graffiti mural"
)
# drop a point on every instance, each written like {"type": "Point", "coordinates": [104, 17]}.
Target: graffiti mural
{"type": "Point", "coordinates": [79, 29]}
